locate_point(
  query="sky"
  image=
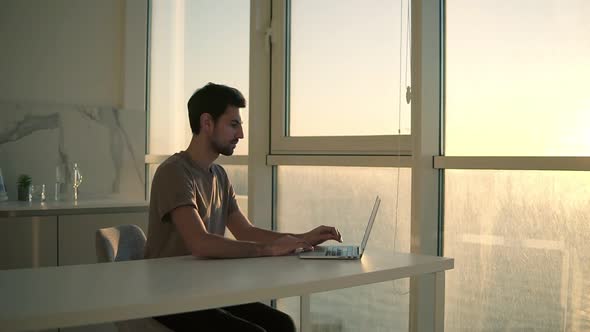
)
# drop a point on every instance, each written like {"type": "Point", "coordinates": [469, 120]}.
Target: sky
{"type": "Point", "coordinates": [517, 74]}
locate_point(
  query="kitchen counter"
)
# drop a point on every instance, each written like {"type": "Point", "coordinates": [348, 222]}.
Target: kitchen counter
{"type": "Point", "coordinates": [85, 206]}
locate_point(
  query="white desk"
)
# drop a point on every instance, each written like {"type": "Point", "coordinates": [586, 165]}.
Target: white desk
{"type": "Point", "coordinates": [87, 294]}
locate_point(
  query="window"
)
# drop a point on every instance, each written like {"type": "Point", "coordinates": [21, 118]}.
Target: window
{"type": "Point", "coordinates": [514, 90]}
{"type": "Point", "coordinates": [339, 126]}
{"type": "Point", "coordinates": [185, 54]}
{"type": "Point", "coordinates": [333, 126]}
{"type": "Point", "coordinates": [340, 91]}
{"type": "Point", "coordinates": [346, 81]}
{"type": "Point", "coordinates": [519, 239]}
{"type": "Point", "coordinates": [515, 78]}
{"type": "Point", "coordinates": [309, 196]}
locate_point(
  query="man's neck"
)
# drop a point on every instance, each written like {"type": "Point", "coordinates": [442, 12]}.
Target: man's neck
{"type": "Point", "coordinates": [200, 153]}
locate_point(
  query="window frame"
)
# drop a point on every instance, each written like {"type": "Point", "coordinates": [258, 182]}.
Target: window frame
{"type": "Point", "coordinates": [281, 142]}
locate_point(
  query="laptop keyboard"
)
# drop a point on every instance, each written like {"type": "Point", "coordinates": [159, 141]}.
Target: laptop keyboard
{"type": "Point", "coordinates": [340, 251]}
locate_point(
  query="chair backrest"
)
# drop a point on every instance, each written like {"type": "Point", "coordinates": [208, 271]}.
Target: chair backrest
{"type": "Point", "coordinates": [119, 243]}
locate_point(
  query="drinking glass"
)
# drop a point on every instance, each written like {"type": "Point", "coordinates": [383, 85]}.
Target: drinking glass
{"type": "Point", "coordinates": [37, 193]}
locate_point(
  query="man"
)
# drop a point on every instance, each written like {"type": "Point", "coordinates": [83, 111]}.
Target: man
{"type": "Point", "coordinates": [192, 201]}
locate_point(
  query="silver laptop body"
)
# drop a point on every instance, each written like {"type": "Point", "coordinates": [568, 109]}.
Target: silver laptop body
{"type": "Point", "coordinates": [344, 252]}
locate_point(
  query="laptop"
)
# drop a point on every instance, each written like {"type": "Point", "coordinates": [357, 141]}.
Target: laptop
{"type": "Point", "coordinates": [344, 252]}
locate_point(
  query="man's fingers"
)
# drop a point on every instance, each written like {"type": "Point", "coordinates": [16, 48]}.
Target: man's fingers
{"type": "Point", "coordinates": [306, 245]}
{"type": "Point", "coordinates": [334, 234]}
{"type": "Point", "coordinates": [339, 236]}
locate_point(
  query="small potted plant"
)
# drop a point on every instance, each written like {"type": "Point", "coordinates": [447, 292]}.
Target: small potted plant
{"type": "Point", "coordinates": [24, 181]}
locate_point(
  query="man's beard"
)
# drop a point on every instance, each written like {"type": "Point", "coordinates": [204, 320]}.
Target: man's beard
{"type": "Point", "coordinates": [226, 150]}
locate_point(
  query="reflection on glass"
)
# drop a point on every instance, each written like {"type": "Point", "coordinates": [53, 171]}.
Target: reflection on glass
{"type": "Point", "coordinates": [343, 197]}
{"type": "Point", "coordinates": [60, 179]}
{"type": "Point", "coordinates": [521, 249]}
{"type": "Point", "coordinates": [349, 68]}
{"type": "Point", "coordinates": [516, 78]}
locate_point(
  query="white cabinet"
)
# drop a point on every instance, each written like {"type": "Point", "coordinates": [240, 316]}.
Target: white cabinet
{"type": "Point", "coordinates": [28, 242]}
{"type": "Point", "coordinates": [62, 236]}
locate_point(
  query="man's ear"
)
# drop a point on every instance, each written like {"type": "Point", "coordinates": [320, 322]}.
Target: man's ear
{"type": "Point", "coordinates": [206, 122]}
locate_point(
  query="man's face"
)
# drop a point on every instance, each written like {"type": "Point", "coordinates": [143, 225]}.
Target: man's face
{"type": "Point", "coordinates": [227, 131]}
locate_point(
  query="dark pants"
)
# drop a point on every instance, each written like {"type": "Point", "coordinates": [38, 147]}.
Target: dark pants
{"type": "Point", "coordinates": [245, 317]}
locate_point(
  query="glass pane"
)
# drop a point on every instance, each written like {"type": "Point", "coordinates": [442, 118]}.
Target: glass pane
{"type": "Point", "coordinates": [349, 68]}
{"type": "Point", "coordinates": [238, 176]}
{"type": "Point", "coordinates": [516, 74]}
{"type": "Point", "coordinates": [521, 249]}
{"type": "Point", "coordinates": [309, 196]}
{"type": "Point", "coordinates": [186, 53]}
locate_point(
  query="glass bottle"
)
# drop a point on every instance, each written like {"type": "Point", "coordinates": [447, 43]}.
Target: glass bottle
{"type": "Point", "coordinates": [59, 181]}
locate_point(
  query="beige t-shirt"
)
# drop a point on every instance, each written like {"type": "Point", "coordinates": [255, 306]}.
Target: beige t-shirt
{"type": "Point", "coordinates": [180, 182]}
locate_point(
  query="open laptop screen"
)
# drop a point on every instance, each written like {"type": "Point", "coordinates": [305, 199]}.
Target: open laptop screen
{"type": "Point", "coordinates": [370, 224]}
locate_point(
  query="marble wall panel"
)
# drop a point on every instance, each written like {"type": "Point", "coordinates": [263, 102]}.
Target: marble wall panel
{"type": "Point", "coordinates": [107, 143]}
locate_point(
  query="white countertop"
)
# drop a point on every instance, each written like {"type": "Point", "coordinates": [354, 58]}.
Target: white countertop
{"type": "Point", "coordinates": [85, 294]}
{"type": "Point", "coordinates": [84, 206]}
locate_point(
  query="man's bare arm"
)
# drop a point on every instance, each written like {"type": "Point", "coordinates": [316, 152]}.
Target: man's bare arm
{"type": "Point", "coordinates": [203, 244]}
{"type": "Point", "coordinates": [243, 229]}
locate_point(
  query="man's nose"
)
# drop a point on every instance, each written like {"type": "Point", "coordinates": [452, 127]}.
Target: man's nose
{"type": "Point", "coordinates": [240, 133]}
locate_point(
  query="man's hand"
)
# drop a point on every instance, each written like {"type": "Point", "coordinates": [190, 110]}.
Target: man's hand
{"type": "Point", "coordinates": [286, 245]}
{"type": "Point", "coordinates": [321, 234]}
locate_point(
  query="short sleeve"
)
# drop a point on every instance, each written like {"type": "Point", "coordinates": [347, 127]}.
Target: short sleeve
{"type": "Point", "coordinates": [232, 202]}
{"type": "Point", "coordinates": [172, 187]}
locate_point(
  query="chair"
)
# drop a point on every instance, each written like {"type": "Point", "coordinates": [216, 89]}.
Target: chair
{"type": "Point", "coordinates": [123, 243]}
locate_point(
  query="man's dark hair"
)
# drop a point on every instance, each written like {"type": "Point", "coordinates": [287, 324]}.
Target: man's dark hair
{"type": "Point", "coordinates": [213, 99]}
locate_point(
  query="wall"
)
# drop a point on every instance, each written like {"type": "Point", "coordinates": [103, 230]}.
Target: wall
{"type": "Point", "coordinates": [70, 72]}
